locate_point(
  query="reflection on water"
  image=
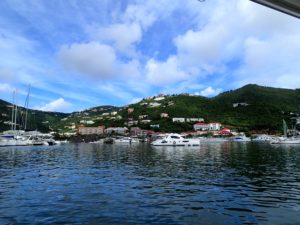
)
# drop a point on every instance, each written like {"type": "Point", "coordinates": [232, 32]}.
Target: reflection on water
{"type": "Point", "coordinates": [221, 183]}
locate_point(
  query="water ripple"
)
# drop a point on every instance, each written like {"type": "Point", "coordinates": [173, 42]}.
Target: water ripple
{"type": "Point", "coordinates": [224, 183]}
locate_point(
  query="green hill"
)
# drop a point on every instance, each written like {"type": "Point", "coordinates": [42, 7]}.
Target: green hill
{"type": "Point", "coordinates": [36, 120]}
{"type": "Point", "coordinates": [249, 108]}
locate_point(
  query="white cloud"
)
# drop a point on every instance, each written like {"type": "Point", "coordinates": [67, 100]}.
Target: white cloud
{"type": "Point", "coordinates": [5, 88]}
{"type": "Point", "coordinates": [122, 36]}
{"type": "Point", "coordinates": [164, 73]}
{"type": "Point", "coordinates": [58, 105]}
{"type": "Point", "coordinates": [209, 91]}
{"type": "Point", "coordinates": [93, 59]}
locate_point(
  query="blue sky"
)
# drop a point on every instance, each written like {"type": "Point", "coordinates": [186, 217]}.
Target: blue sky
{"type": "Point", "coordinates": [80, 54]}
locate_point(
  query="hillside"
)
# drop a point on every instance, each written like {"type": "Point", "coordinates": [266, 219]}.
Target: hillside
{"type": "Point", "coordinates": [43, 121]}
{"type": "Point", "coordinates": [251, 107]}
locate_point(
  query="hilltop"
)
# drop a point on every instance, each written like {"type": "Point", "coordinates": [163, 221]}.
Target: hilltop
{"type": "Point", "coordinates": [248, 108]}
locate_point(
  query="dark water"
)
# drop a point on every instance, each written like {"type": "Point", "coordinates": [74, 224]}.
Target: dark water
{"type": "Point", "coordinates": [226, 183]}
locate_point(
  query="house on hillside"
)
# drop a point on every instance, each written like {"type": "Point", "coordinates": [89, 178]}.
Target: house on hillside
{"type": "Point", "coordinates": [164, 115]}
{"type": "Point", "coordinates": [142, 116]}
{"type": "Point", "coordinates": [132, 122]}
{"type": "Point", "coordinates": [154, 104]}
{"type": "Point", "coordinates": [159, 98]}
{"type": "Point", "coordinates": [194, 120]}
{"type": "Point", "coordinates": [178, 120]}
{"type": "Point", "coordinates": [130, 110]}
{"type": "Point", "coordinates": [239, 104]}
{"type": "Point", "coordinates": [145, 121]}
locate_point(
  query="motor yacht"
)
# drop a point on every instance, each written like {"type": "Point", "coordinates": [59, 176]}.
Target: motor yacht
{"type": "Point", "coordinates": [175, 140]}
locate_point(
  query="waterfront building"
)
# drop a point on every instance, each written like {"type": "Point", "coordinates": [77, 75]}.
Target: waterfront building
{"type": "Point", "coordinates": [90, 130]}
{"type": "Point", "coordinates": [225, 132]}
{"type": "Point", "coordinates": [201, 126]}
{"type": "Point", "coordinates": [116, 130]}
{"type": "Point", "coordinates": [136, 131]}
{"type": "Point", "coordinates": [215, 126]}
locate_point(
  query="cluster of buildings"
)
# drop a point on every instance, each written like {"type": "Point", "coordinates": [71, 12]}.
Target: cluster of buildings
{"type": "Point", "coordinates": [131, 125]}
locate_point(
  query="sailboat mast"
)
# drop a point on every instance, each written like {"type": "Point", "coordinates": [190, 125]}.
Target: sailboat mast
{"type": "Point", "coordinates": [16, 109]}
{"type": "Point", "coordinates": [26, 106]}
{"type": "Point", "coordinates": [12, 111]}
{"type": "Point", "coordinates": [284, 128]}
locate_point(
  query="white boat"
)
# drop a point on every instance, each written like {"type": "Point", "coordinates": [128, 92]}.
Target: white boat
{"type": "Point", "coordinates": [126, 140]}
{"type": "Point", "coordinates": [294, 139]}
{"type": "Point", "coordinates": [264, 138]}
{"type": "Point", "coordinates": [175, 140]}
{"type": "Point", "coordinates": [287, 140]}
{"type": "Point", "coordinates": [15, 141]}
{"type": "Point", "coordinates": [241, 138]}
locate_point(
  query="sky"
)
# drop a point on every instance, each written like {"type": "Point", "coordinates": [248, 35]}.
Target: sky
{"type": "Point", "coordinates": [78, 54]}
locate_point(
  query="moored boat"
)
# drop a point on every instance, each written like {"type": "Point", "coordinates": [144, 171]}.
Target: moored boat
{"type": "Point", "coordinates": [241, 138]}
{"type": "Point", "coordinates": [174, 139]}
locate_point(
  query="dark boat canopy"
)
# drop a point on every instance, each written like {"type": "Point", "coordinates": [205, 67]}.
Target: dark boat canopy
{"type": "Point", "coordinates": [291, 7]}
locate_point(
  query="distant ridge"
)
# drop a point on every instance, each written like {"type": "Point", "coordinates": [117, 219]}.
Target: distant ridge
{"type": "Point", "coordinates": [251, 107]}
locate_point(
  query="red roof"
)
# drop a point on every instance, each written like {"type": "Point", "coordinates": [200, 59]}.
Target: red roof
{"type": "Point", "coordinates": [200, 123]}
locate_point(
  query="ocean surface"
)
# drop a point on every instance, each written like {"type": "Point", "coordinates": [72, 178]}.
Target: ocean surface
{"type": "Point", "coordinates": [222, 183]}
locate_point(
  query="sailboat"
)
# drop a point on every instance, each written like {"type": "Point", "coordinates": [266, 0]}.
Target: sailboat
{"type": "Point", "coordinates": [17, 137]}
{"type": "Point", "coordinates": [294, 139]}
{"type": "Point", "coordinates": [14, 137]}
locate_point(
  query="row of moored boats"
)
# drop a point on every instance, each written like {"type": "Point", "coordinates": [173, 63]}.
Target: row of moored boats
{"type": "Point", "coordinates": [24, 138]}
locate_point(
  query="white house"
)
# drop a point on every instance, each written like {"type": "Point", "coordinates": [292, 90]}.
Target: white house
{"type": "Point", "coordinates": [194, 120]}
{"type": "Point", "coordinates": [154, 104]}
{"type": "Point", "coordinates": [164, 115]}
{"type": "Point", "coordinates": [215, 126]}
{"type": "Point", "coordinates": [201, 126]}
{"type": "Point", "coordinates": [145, 121]}
{"type": "Point", "coordinates": [239, 104]}
{"type": "Point", "coordinates": [178, 120]}
{"type": "Point", "coordinates": [159, 98]}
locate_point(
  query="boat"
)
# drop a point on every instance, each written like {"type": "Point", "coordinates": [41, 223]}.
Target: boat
{"type": "Point", "coordinates": [294, 139]}
{"type": "Point", "coordinates": [18, 137]}
{"type": "Point", "coordinates": [287, 140]}
{"type": "Point", "coordinates": [126, 140]}
{"type": "Point", "coordinates": [240, 138]}
{"type": "Point", "coordinates": [264, 138]}
{"type": "Point", "coordinates": [174, 139]}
